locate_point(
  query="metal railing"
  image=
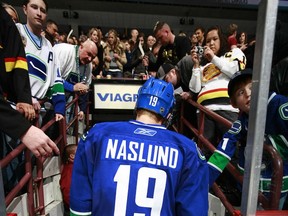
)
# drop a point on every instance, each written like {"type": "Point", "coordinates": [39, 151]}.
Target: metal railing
{"type": "Point", "coordinates": [34, 185]}
{"type": "Point", "coordinates": [268, 204]}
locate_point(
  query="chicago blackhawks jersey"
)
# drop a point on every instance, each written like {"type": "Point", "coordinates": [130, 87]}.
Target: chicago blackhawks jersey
{"type": "Point", "coordinates": [44, 74]}
{"type": "Point", "coordinates": [131, 168]}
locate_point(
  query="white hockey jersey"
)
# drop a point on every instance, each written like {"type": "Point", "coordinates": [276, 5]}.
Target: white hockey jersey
{"type": "Point", "coordinates": [44, 73]}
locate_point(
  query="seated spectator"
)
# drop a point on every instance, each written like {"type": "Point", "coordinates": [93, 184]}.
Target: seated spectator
{"type": "Point", "coordinates": [276, 134]}
{"type": "Point", "coordinates": [66, 175]}
{"type": "Point", "coordinates": [114, 55]}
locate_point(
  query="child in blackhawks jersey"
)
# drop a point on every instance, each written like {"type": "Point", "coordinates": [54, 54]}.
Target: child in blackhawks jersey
{"type": "Point", "coordinates": [276, 133]}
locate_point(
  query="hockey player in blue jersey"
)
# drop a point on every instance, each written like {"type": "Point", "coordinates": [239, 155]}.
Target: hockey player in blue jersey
{"type": "Point", "coordinates": [139, 167]}
{"type": "Point", "coordinates": [276, 133]}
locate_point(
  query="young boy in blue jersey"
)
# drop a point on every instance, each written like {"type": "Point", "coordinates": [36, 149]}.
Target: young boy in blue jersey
{"type": "Point", "coordinates": [139, 167]}
{"type": "Point", "coordinates": [276, 133]}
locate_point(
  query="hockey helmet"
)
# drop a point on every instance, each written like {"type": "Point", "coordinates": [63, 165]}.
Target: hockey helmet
{"type": "Point", "coordinates": [157, 96]}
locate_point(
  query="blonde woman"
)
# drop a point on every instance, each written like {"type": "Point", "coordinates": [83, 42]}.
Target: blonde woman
{"type": "Point", "coordinates": [114, 55]}
{"type": "Point", "coordinates": [95, 35]}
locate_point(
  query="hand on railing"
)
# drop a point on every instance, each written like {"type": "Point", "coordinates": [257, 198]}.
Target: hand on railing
{"type": "Point", "coordinates": [81, 88]}
{"type": "Point", "coordinates": [39, 143]}
{"type": "Point", "coordinates": [58, 117]}
{"type": "Point", "coordinates": [27, 110]}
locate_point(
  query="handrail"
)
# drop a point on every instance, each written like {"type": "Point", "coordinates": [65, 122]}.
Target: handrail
{"type": "Point", "coordinates": [269, 204]}
{"type": "Point", "coordinates": [35, 186]}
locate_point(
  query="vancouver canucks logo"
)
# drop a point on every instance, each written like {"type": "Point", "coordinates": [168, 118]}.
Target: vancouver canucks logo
{"type": "Point", "coordinates": [236, 127]}
{"type": "Point", "coordinates": [283, 110]}
{"type": "Point", "coordinates": [145, 131]}
{"type": "Point", "coordinates": [200, 155]}
{"type": "Point", "coordinates": [36, 68]}
{"type": "Point", "coordinates": [84, 136]}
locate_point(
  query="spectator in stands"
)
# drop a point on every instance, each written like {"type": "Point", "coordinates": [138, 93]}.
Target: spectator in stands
{"type": "Point", "coordinates": [194, 40]}
{"type": "Point", "coordinates": [243, 41]}
{"type": "Point", "coordinates": [82, 39]}
{"type": "Point", "coordinates": [44, 75]}
{"type": "Point", "coordinates": [95, 35]}
{"type": "Point", "coordinates": [232, 38]}
{"type": "Point", "coordinates": [150, 42]}
{"type": "Point", "coordinates": [138, 54]}
{"type": "Point", "coordinates": [76, 70]}
{"type": "Point", "coordinates": [119, 182]}
{"type": "Point", "coordinates": [127, 68]}
{"type": "Point", "coordinates": [276, 134]}
{"type": "Point", "coordinates": [200, 34]}
{"type": "Point", "coordinates": [51, 31]}
{"type": "Point", "coordinates": [180, 75]}
{"type": "Point", "coordinates": [12, 122]}
{"type": "Point", "coordinates": [210, 80]}
{"type": "Point", "coordinates": [134, 34]}
{"type": "Point", "coordinates": [62, 37]}
{"type": "Point", "coordinates": [114, 55]}
{"type": "Point", "coordinates": [11, 11]}
{"type": "Point", "coordinates": [66, 175]}
{"type": "Point", "coordinates": [173, 48]}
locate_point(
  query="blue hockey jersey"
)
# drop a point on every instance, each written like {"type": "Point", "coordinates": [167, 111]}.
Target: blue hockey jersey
{"type": "Point", "coordinates": [276, 134]}
{"type": "Point", "coordinates": [131, 168]}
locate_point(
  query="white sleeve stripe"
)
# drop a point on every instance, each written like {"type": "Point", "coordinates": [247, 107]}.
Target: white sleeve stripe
{"type": "Point", "coordinates": [80, 213]}
{"type": "Point", "coordinates": [215, 167]}
{"type": "Point", "coordinates": [223, 154]}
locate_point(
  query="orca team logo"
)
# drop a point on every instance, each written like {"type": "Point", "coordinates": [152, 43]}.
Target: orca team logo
{"type": "Point", "coordinates": [283, 110]}
{"type": "Point", "coordinates": [236, 127]}
{"type": "Point", "coordinates": [36, 68]}
{"type": "Point", "coordinates": [145, 132]}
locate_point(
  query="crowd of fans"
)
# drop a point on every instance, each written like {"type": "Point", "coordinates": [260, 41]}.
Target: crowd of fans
{"type": "Point", "coordinates": [199, 67]}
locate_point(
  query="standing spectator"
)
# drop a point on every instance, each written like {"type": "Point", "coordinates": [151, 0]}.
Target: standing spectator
{"type": "Point", "coordinates": [62, 37]}
{"type": "Point", "coordinates": [127, 68]}
{"type": "Point", "coordinates": [200, 34]}
{"type": "Point", "coordinates": [243, 41]}
{"type": "Point", "coordinates": [66, 175]}
{"type": "Point", "coordinates": [44, 74]}
{"type": "Point", "coordinates": [140, 167]}
{"type": "Point", "coordinates": [137, 56]}
{"type": "Point", "coordinates": [134, 34]}
{"type": "Point", "coordinates": [194, 40]}
{"type": "Point", "coordinates": [276, 134]}
{"type": "Point", "coordinates": [150, 42]}
{"type": "Point", "coordinates": [51, 31]}
{"type": "Point", "coordinates": [76, 69]}
{"type": "Point", "coordinates": [82, 39]}
{"type": "Point", "coordinates": [210, 80]}
{"type": "Point", "coordinates": [114, 55]}
{"type": "Point", "coordinates": [173, 48]}
{"type": "Point", "coordinates": [95, 35]}
{"type": "Point", "coordinates": [11, 121]}
{"type": "Point", "coordinates": [232, 38]}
